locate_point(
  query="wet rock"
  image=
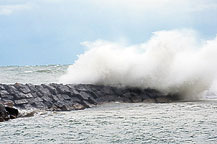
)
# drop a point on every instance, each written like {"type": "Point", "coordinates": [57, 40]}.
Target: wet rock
{"type": "Point", "coordinates": [46, 98]}
{"type": "Point", "coordinates": [21, 101]}
{"type": "Point", "coordinates": [67, 107]}
{"type": "Point", "coordinates": [162, 100]}
{"type": "Point", "coordinates": [60, 97]}
{"type": "Point", "coordinates": [144, 96]}
{"type": "Point", "coordinates": [149, 100]}
{"type": "Point", "coordinates": [55, 98]}
{"type": "Point", "coordinates": [84, 96]}
{"type": "Point", "coordinates": [27, 106]}
{"type": "Point", "coordinates": [71, 97]}
{"type": "Point", "coordinates": [92, 94]}
{"type": "Point", "coordinates": [136, 99]}
{"type": "Point", "coordinates": [74, 93]}
{"type": "Point", "coordinates": [118, 91]}
{"type": "Point", "coordinates": [4, 92]}
{"type": "Point", "coordinates": [39, 94]}
{"type": "Point", "coordinates": [42, 91]}
{"type": "Point", "coordinates": [7, 113]}
{"type": "Point", "coordinates": [23, 96]}
{"type": "Point", "coordinates": [48, 104]}
{"type": "Point", "coordinates": [7, 96]}
{"type": "Point", "coordinates": [37, 99]}
{"type": "Point", "coordinates": [127, 95]}
{"type": "Point", "coordinates": [3, 113]}
{"type": "Point", "coordinates": [86, 104]}
{"type": "Point", "coordinates": [65, 97]}
{"type": "Point", "coordinates": [106, 98]}
{"type": "Point", "coordinates": [78, 106]}
{"type": "Point", "coordinates": [9, 103]}
{"type": "Point", "coordinates": [79, 87]}
{"type": "Point", "coordinates": [2, 87]}
{"type": "Point", "coordinates": [59, 105]}
{"type": "Point", "coordinates": [39, 105]}
{"type": "Point", "coordinates": [107, 90]}
{"type": "Point", "coordinates": [151, 93]}
{"type": "Point", "coordinates": [92, 100]}
{"type": "Point", "coordinates": [11, 89]}
{"type": "Point", "coordinates": [32, 88]}
{"type": "Point", "coordinates": [12, 112]}
{"type": "Point", "coordinates": [50, 88]}
{"type": "Point", "coordinates": [63, 89]}
{"type": "Point", "coordinates": [75, 100]}
{"type": "Point", "coordinates": [23, 88]}
{"type": "Point", "coordinates": [98, 94]}
{"type": "Point", "coordinates": [1, 119]}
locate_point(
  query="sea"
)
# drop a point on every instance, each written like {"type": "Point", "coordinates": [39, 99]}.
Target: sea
{"type": "Point", "coordinates": [193, 122]}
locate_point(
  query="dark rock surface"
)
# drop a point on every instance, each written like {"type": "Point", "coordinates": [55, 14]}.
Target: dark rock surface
{"type": "Point", "coordinates": [73, 97]}
{"type": "Point", "coordinates": [7, 112]}
{"type": "Point", "coordinates": [3, 113]}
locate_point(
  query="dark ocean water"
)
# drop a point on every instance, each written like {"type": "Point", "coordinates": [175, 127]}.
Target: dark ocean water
{"type": "Point", "coordinates": [183, 122]}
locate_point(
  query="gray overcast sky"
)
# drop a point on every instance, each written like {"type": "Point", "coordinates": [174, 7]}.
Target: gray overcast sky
{"type": "Point", "coordinates": [37, 32]}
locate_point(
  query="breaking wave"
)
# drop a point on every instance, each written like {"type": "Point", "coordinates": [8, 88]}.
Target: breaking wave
{"type": "Point", "coordinates": [175, 61]}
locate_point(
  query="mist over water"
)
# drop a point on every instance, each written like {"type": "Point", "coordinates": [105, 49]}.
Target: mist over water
{"type": "Point", "coordinates": [175, 61]}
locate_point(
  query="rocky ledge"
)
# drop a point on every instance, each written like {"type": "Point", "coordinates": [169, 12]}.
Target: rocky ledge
{"type": "Point", "coordinates": [59, 97]}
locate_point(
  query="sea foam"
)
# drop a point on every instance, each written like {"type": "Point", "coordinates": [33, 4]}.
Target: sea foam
{"type": "Point", "coordinates": [175, 61]}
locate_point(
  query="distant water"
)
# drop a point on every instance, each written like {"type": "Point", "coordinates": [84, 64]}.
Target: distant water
{"type": "Point", "coordinates": [125, 123]}
{"type": "Point", "coordinates": [31, 74]}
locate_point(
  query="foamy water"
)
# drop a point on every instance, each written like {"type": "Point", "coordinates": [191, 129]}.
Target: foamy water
{"type": "Point", "coordinates": [176, 61]}
{"type": "Point", "coordinates": [189, 122]}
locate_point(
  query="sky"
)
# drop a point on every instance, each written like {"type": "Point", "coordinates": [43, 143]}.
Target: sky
{"type": "Point", "coordinates": [43, 32]}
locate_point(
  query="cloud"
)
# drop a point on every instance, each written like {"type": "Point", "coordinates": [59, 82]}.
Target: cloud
{"type": "Point", "coordinates": [128, 6]}
{"type": "Point", "coordinates": [12, 8]}
{"type": "Point", "coordinates": [161, 6]}
{"type": "Point", "coordinates": [54, 1]}
{"type": "Point", "coordinates": [201, 7]}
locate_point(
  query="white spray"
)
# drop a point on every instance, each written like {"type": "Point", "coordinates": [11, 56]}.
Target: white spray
{"type": "Point", "coordinates": [171, 61]}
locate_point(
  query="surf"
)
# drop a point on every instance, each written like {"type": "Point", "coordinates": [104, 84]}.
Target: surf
{"type": "Point", "coordinates": [174, 61]}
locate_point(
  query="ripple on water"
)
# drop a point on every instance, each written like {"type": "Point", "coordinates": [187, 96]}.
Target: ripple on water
{"type": "Point", "coordinates": [187, 122]}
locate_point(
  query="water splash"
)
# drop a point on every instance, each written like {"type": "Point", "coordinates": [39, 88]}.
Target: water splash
{"type": "Point", "coordinates": [175, 61]}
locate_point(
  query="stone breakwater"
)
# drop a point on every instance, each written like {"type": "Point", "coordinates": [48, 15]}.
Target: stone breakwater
{"type": "Point", "coordinates": [59, 97]}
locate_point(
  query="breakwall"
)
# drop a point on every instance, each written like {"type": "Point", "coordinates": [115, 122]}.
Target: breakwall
{"type": "Point", "coordinates": [74, 97]}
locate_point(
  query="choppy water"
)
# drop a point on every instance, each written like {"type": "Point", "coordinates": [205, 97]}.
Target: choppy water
{"type": "Point", "coordinates": [184, 122]}
{"type": "Point", "coordinates": [189, 122]}
{"type": "Point", "coordinates": [31, 74]}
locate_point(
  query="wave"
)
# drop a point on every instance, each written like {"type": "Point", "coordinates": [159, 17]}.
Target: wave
{"type": "Point", "coordinates": [175, 61]}
{"type": "Point", "coordinates": [44, 71]}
